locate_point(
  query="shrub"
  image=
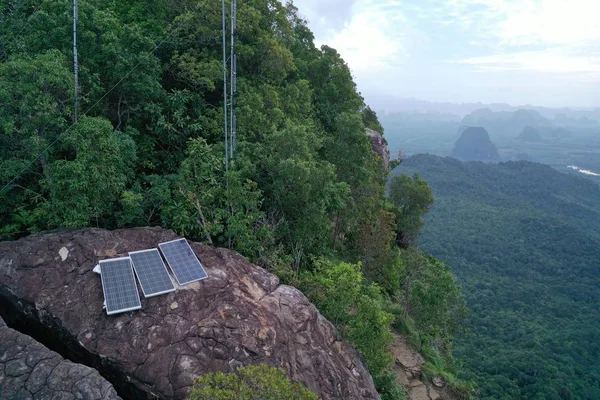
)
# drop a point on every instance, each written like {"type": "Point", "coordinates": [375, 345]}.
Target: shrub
{"type": "Point", "coordinates": [253, 382]}
{"type": "Point", "coordinates": [358, 310]}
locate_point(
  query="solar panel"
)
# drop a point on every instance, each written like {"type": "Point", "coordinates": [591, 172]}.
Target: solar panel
{"type": "Point", "coordinates": [151, 272]}
{"type": "Point", "coordinates": [183, 261]}
{"type": "Point", "coordinates": [118, 284]}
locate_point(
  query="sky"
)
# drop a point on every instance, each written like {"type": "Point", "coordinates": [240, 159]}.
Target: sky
{"type": "Point", "coordinates": [539, 52]}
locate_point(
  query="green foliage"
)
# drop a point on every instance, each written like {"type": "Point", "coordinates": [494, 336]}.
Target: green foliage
{"type": "Point", "coordinates": [412, 198]}
{"type": "Point", "coordinates": [209, 204]}
{"type": "Point", "coordinates": [430, 294]}
{"type": "Point", "coordinates": [87, 188]}
{"type": "Point", "coordinates": [438, 367]}
{"type": "Point", "coordinates": [370, 120]}
{"type": "Point", "coordinates": [375, 243]}
{"type": "Point", "coordinates": [524, 241]}
{"type": "Point", "coordinates": [253, 382]}
{"type": "Point", "coordinates": [300, 190]}
{"type": "Point", "coordinates": [34, 110]}
{"type": "Point", "coordinates": [358, 310]}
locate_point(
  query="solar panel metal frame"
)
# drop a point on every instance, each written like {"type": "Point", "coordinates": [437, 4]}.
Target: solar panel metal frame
{"type": "Point", "coordinates": [102, 276]}
{"type": "Point", "coordinates": [160, 245]}
{"type": "Point", "coordinates": [138, 274]}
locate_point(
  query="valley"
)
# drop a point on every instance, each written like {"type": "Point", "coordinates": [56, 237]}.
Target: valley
{"type": "Point", "coordinates": [524, 241]}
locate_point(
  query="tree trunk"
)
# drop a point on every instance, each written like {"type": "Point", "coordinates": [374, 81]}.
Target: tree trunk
{"type": "Point", "coordinates": [202, 222]}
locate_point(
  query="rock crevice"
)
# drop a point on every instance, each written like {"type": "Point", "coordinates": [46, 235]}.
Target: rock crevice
{"type": "Point", "coordinates": [28, 370]}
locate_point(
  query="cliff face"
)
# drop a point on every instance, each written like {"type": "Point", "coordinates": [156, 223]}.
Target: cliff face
{"type": "Point", "coordinates": [474, 144]}
{"type": "Point", "coordinates": [240, 315]}
{"type": "Point", "coordinates": [379, 146]}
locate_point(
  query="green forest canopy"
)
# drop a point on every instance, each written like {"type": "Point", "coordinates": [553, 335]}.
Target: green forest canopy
{"type": "Point", "coordinates": [305, 196]}
{"type": "Point", "coordinates": [524, 240]}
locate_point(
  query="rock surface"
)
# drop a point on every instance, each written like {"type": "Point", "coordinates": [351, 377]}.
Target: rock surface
{"type": "Point", "coordinates": [28, 370]}
{"type": "Point", "coordinates": [408, 374]}
{"type": "Point", "coordinates": [240, 315]}
{"type": "Point", "coordinates": [379, 146]}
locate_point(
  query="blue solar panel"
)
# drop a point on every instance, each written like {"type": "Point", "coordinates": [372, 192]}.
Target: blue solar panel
{"type": "Point", "coordinates": [151, 272]}
{"type": "Point", "coordinates": [183, 262]}
{"type": "Point", "coordinates": [118, 284]}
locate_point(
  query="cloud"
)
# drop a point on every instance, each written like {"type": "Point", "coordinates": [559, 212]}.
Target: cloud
{"type": "Point", "coordinates": [540, 61]}
{"type": "Point", "coordinates": [324, 16]}
{"type": "Point", "coordinates": [551, 22]}
{"type": "Point", "coordinates": [547, 36]}
{"type": "Point", "coordinates": [468, 50]}
{"type": "Point", "coordinates": [368, 39]}
{"type": "Point", "coordinates": [526, 22]}
{"type": "Point", "coordinates": [369, 42]}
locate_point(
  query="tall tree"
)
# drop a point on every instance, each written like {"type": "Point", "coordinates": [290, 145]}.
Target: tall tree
{"type": "Point", "coordinates": [412, 198]}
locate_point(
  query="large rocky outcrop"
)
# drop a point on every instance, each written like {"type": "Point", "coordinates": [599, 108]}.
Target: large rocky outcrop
{"type": "Point", "coordinates": [28, 370]}
{"type": "Point", "coordinates": [379, 146]}
{"type": "Point", "coordinates": [240, 315]}
{"type": "Point", "coordinates": [474, 144]}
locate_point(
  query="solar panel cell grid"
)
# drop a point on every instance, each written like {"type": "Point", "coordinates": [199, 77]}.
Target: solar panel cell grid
{"type": "Point", "coordinates": [118, 284]}
{"type": "Point", "coordinates": [151, 272]}
{"type": "Point", "coordinates": [183, 262]}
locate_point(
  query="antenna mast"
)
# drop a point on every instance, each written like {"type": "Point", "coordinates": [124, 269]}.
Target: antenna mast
{"type": "Point", "coordinates": [233, 79]}
{"type": "Point", "coordinates": [75, 60]}
{"type": "Point", "coordinates": [225, 106]}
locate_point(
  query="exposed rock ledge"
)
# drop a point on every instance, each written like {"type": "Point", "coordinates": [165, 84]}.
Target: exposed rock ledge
{"type": "Point", "coordinates": [240, 315]}
{"type": "Point", "coordinates": [408, 374]}
{"type": "Point", "coordinates": [379, 146]}
{"type": "Point", "coordinates": [28, 370]}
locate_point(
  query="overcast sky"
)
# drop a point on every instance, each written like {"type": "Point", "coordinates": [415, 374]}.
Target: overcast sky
{"type": "Point", "coordinates": [541, 52]}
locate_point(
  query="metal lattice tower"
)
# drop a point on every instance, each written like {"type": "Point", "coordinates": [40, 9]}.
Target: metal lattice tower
{"type": "Point", "coordinates": [229, 99]}
{"type": "Point", "coordinates": [75, 61]}
{"type": "Point", "coordinates": [233, 79]}
{"type": "Point", "coordinates": [225, 106]}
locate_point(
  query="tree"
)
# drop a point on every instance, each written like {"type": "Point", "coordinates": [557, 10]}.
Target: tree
{"type": "Point", "coordinates": [412, 198]}
{"type": "Point", "coordinates": [301, 188]}
{"type": "Point", "coordinates": [432, 297]}
{"type": "Point", "coordinates": [85, 185]}
{"type": "Point", "coordinates": [357, 309]}
{"type": "Point", "coordinates": [34, 110]}
{"type": "Point", "coordinates": [208, 203]}
{"type": "Point", "coordinates": [370, 120]}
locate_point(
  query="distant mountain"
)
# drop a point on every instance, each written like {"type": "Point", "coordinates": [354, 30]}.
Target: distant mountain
{"type": "Point", "coordinates": [562, 119]}
{"type": "Point", "coordinates": [474, 144]}
{"type": "Point", "coordinates": [506, 123]}
{"type": "Point", "coordinates": [392, 104]}
{"type": "Point", "coordinates": [524, 240]}
{"type": "Point", "coordinates": [530, 134]}
{"type": "Point", "coordinates": [560, 132]}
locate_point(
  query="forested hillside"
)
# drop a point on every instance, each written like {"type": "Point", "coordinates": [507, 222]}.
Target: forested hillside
{"type": "Point", "coordinates": [524, 241]}
{"type": "Point", "coordinates": [304, 195]}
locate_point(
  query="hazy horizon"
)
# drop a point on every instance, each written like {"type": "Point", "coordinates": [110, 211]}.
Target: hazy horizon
{"type": "Point", "coordinates": [540, 53]}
